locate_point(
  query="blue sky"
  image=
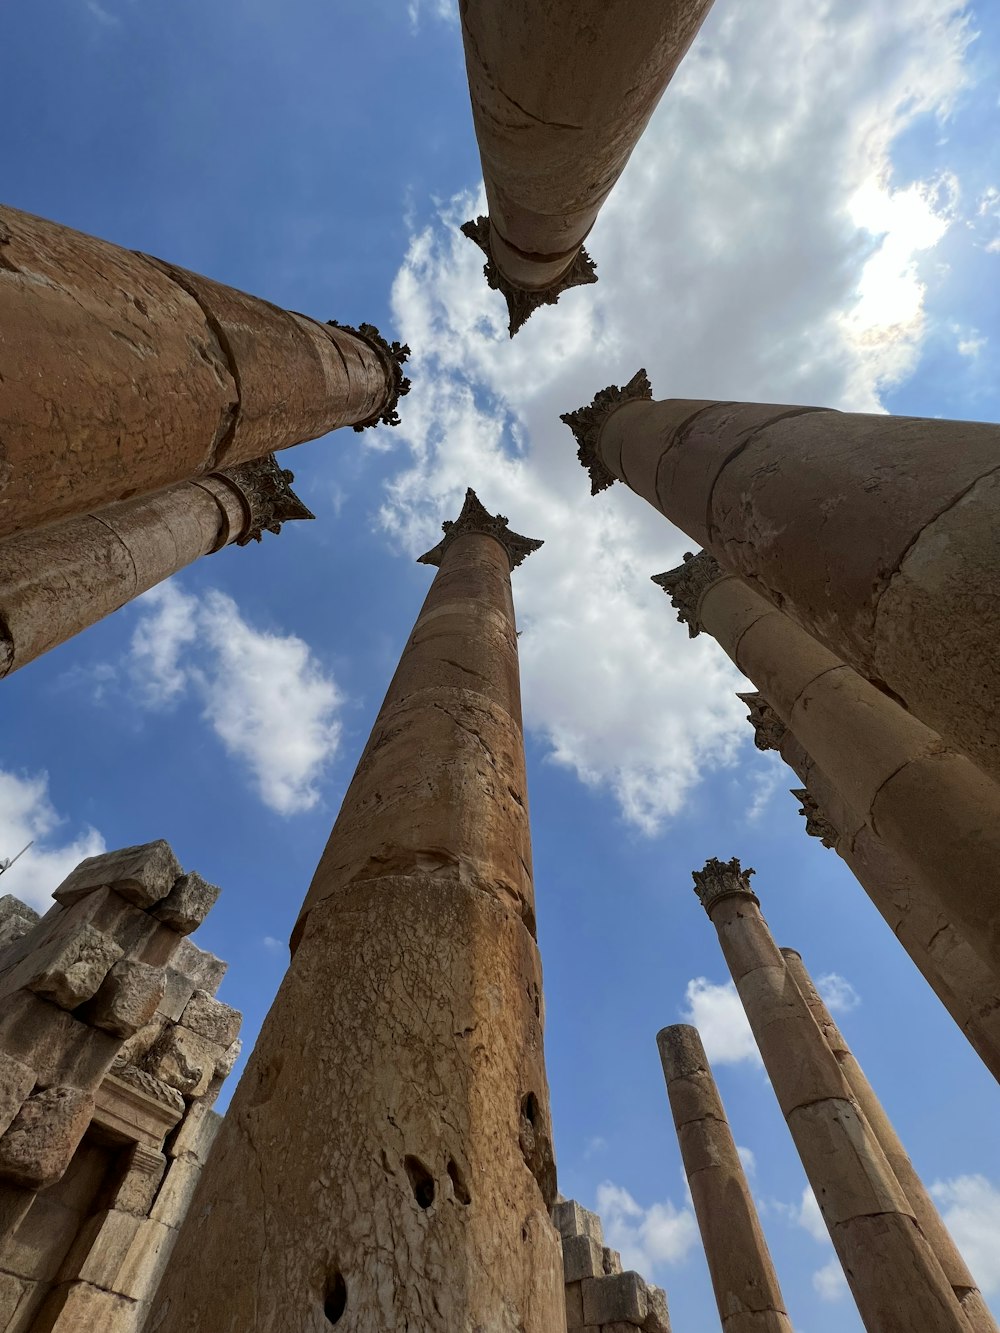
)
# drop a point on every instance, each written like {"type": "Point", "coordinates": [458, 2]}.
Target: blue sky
{"type": "Point", "coordinates": [813, 216]}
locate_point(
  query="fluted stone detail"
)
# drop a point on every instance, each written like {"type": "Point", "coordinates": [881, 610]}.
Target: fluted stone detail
{"type": "Point", "coordinates": [586, 423]}
{"type": "Point", "coordinates": [475, 518]}
{"type": "Point", "coordinates": [522, 302]}
{"type": "Point", "coordinates": [722, 879]}
{"type": "Point", "coordinates": [686, 584]}
{"type": "Point", "coordinates": [265, 492]}
{"type": "Point", "coordinates": [394, 355]}
{"type": "Point", "coordinates": [768, 729]}
{"type": "Point", "coordinates": [817, 824]}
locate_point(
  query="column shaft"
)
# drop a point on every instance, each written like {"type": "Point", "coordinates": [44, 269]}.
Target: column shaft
{"type": "Point", "coordinates": [387, 1161]}
{"type": "Point", "coordinates": [928, 1218]}
{"type": "Point", "coordinates": [58, 580]}
{"type": "Point", "coordinates": [874, 533]}
{"type": "Point", "coordinates": [896, 1278]}
{"type": "Point", "coordinates": [561, 93]}
{"type": "Point", "coordinates": [743, 1278]}
{"type": "Point", "coordinates": [123, 374]}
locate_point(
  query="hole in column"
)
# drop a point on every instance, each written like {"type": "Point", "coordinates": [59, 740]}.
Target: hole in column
{"type": "Point", "coordinates": [458, 1182]}
{"type": "Point", "coordinates": [421, 1181]}
{"type": "Point", "coordinates": [529, 1107]}
{"type": "Point", "coordinates": [336, 1297]}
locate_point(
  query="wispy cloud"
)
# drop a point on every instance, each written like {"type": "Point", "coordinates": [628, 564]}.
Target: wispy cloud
{"type": "Point", "coordinates": [26, 814]}
{"type": "Point", "coordinates": [837, 993]}
{"type": "Point", "coordinates": [970, 1206]}
{"type": "Point", "coordinates": [718, 1014]}
{"type": "Point", "coordinates": [647, 1238]}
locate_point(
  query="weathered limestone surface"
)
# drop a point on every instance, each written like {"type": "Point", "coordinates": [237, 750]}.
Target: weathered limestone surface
{"type": "Point", "coordinates": [387, 1158]}
{"type": "Point", "coordinates": [162, 374]}
{"type": "Point", "coordinates": [874, 533]}
{"type": "Point", "coordinates": [743, 1278]}
{"type": "Point", "coordinates": [59, 579]}
{"type": "Point", "coordinates": [561, 93]}
{"type": "Point", "coordinates": [927, 1216]}
{"type": "Point", "coordinates": [600, 1298]}
{"type": "Point", "coordinates": [934, 809]}
{"type": "Point", "coordinates": [895, 1276]}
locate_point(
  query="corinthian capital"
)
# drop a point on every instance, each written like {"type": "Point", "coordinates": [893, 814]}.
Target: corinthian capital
{"type": "Point", "coordinates": [768, 728]}
{"type": "Point", "coordinates": [394, 356]}
{"type": "Point", "coordinates": [266, 495]}
{"type": "Point", "coordinates": [817, 824]}
{"type": "Point", "coordinates": [586, 423]}
{"type": "Point", "coordinates": [722, 879]}
{"type": "Point", "coordinates": [686, 584]}
{"type": "Point", "coordinates": [474, 518]}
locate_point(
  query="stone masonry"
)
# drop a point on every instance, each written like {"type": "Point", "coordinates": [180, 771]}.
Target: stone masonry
{"type": "Point", "coordinates": [600, 1297]}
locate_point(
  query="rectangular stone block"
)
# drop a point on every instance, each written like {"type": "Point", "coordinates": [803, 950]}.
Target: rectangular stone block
{"type": "Point", "coordinates": [143, 874]}
{"type": "Point", "coordinates": [175, 1193]}
{"type": "Point", "coordinates": [148, 1256]}
{"type": "Point", "coordinates": [128, 998]}
{"type": "Point", "coordinates": [99, 1250]}
{"type": "Point", "coordinates": [59, 1047]}
{"type": "Point", "coordinates": [621, 1298]}
{"type": "Point", "coordinates": [44, 1135]}
{"type": "Point", "coordinates": [203, 968]}
{"type": "Point", "coordinates": [211, 1018]}
{"type": "Point", "coordinates": [574, 1305]}
{"type": "Point", "coordinates": [137, 1190]}
{"type": "Point", "coordinates": [612, 1262]}
{"type": "Point", "coordinates": [184, 1060]}
{"type": "Point", "coordinates": [35, 1251]}
{"type": "Point", "coordinates": [16, 1081]}
{"type": "Point", "coordinates": [196, 1133]}
{"type": "Point", "coordinates": [11, 1290]}
{"type": "Point", "coordinates": [177, 991]}
{"type": "Point", "coordinates": [77, 1307]}
{"type": "Point", "coordinates": [228, 1062]}
{"type": "Point", "coordinates": [68, 970]}
{"type": "Point", "coordinates": [187, 904]}
{"type": "Point", "coordinates": [658, 1319]}
{"type": "Point", "coordinates": [573, 1220]}
{"type": "Point", "coordinates": [582, 1257]}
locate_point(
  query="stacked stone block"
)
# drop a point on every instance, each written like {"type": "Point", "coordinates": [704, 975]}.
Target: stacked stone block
{"type": "Point", "coordinates": [112, 1049]}
{"type": "Point", "coordinates": [600, 1297]}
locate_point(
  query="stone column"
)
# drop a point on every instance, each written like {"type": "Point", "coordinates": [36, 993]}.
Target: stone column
{"type": "Point", "coordinates": [743, 1277]}
{"type": "Point", "coordinates": [874, 533]}
{"type": "Point", "coordinates": [58, 580]}
{"type": "Point", "coordinates": [928, 1218]}
{"type": "Point", "coordinates": [933, 808]}
{"type": "Point", "coordinates": [962, 981]}
{"type": "Point", "coordinates": [387, 1158]}
{"type": "Point", "coordinates": [123, 374]}
{"type": "Point", "coordinates": [897, 1280]}
{"type": "Point", "coordinates": [561, 93]}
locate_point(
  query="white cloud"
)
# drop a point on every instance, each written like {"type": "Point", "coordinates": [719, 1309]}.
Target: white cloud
{"type": "Point", "coordinates": [647, 1238]}
{"type": "Point", "coordinates": [764, 781]}
{"type": "Point", "coordinates": [273, 945]}
{"type": "Point", "coordinates": [756, 247]}
{"type": "Point", "coordinates": [971, 344]}
{"type": "Point", "coordinates": [444, 10]}
{"type": "Point", "coordinates": [717, 1013]}
{"type": "Point", "coordinates": [809, 1217]}
{"type": "Point", "coordinates": [837, 993]}
{"type": "Point", "coordinates": [265, 695]}
{"type": "Point", "coordinates": [749, 1160]}
{"type": "Point", "coordinates": [970, 1206]}
{"type": "Point", "coordinates": [596, 1144]}
{"type": "Point", "coordinates": [829, 1281]}
{"type": "Point", "coordinates": [27, 813]}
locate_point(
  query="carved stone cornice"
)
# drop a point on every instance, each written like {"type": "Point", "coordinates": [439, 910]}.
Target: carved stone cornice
{"type": "Point", "coordinates": [586, 423]}
{"type": "Point", "coordinates": [265, 495]}
{"type": "Point", "coordinates": [521, 302]}
{"type": "Point", "coordinates": [393, 356]}
{"type": "Point", "coordinates": [768, 728]}
{"type": "Point", "coordinates": [686, 584]}
{"type": "Point", "coordinates": [817, 824]}
{"type": "Point", "coordinates": [722, 879]}
{"type": "Point", "coordinates": [474, 518]}
{"type": "Point", "coordinates": [146, 1083]}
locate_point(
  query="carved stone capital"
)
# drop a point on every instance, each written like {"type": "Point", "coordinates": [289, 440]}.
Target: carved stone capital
{"type": "Point", "coordinates": [522, 302]}
{"type": "Point", "coordinates": [393, 356]}
{"type": "Point", "coordinates": [768, 728]}
{"type": "Point", "coordinates": [817, 824]}
{"type": "Point", "coordinates": [686, 584]}
{"type": "Point", "coordinates": [474, 518]}
{"type": "Point", "coordinates": [266, 495]}
{"type": "Point", "coordinates": [586, 423]}
{"type": "Point", "coordinates": [722, 879]}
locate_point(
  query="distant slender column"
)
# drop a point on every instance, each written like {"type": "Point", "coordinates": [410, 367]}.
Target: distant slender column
{"type": "Point", "coordinates": [877, 534]}
{"type": "Point", "coordinates": [934, 809]}
{"type": "Point", "coordinates": [561, 93]}
{"type": "Point", "coordinates": [897, 1280]}
{"type": "Point", "coordinates": [58, 580]}
{"type": "Point", "coordinates": [743, 1277]}
{"type": "Point", "coordinates": [387, 1159]}
{"type": "Point", "coordinates": [928, 1218]}
{"type": "Point", "coordinates": [123, 374]}
{"type": "Point", "coordinates": [962, 981]}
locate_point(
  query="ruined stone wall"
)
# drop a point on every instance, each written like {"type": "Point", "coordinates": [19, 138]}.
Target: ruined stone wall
{"type": "Point", "coordinates": [113, 1048]}
{"type": "Point", "coordinates": [600, 1297]}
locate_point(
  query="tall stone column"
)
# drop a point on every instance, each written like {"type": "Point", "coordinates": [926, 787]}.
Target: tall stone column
{"type": "Point", "coordinates": [58, 580]}
{"type": "Point", "coordinates": [895, 1277]}
{"type": "Point", "coordinates": [561, 93]}
{"type": "Point", "coordinates": [928, 1218]}
{"type": "Point", "coordinates": [962, 981]}
{"type": "Point", "coordinates": [933, 808]}
{"type": "Point", "coordinates": [123, 374]}
{"type": "Point", "coordinates": [387, 1160]}
{"type": "Point", "coordinates": [743, 1277]}
{"type": "Point", "coordinates": [874, 533]}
